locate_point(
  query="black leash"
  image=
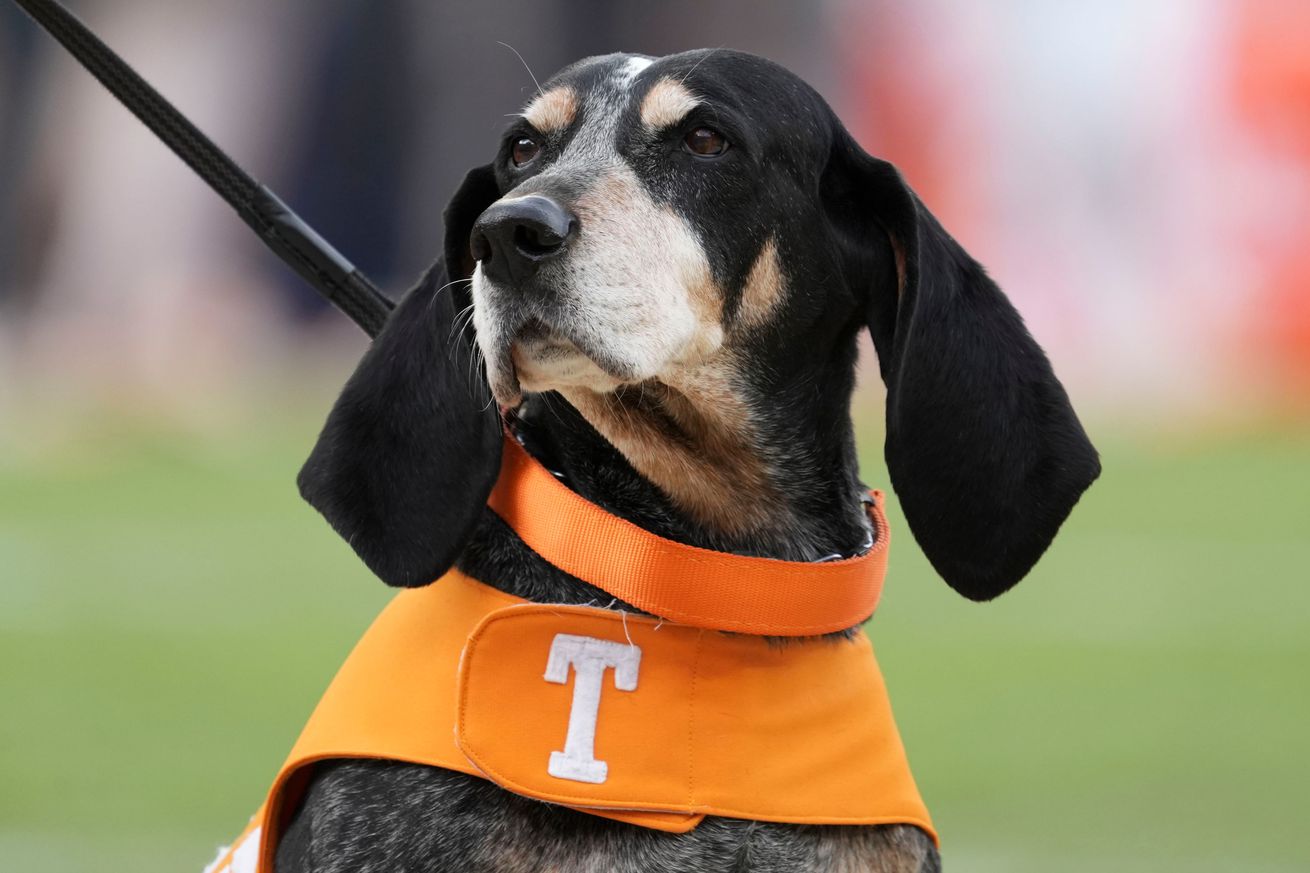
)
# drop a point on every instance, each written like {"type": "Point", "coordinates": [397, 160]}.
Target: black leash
{"type": "Point", "coordinates": [290, 238]}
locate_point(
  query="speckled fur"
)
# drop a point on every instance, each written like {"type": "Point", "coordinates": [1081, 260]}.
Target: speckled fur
{"type": "Point", "coordinates": [371, 816]}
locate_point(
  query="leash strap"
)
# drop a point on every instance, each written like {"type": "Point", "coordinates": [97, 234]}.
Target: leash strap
{"type": "Point", "coordinates": [281, 229]}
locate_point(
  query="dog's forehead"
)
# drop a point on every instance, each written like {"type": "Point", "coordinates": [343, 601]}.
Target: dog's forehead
{"type": "Point", "coordinates": [596, 98]}
{"type": "Point", "coordinates": [591, 93]}
{"type": "Point", "coordinates": [584, 106]}
{"type": "Point", "coordinates": [606, 75]}
{"type": "Point", "coordinates": [604, 80]}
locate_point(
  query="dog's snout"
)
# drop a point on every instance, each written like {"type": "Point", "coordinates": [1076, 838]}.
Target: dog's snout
{"type": "Point", "coordinates": [512, 238]}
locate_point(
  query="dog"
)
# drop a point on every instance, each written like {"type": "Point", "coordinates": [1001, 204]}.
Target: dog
{"type": "Point", "coordinates": [658, 285]}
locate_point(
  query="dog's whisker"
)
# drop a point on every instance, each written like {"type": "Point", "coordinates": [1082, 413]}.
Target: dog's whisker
{"type": "Point", "coordinates": [524, 63]}
{"type": "Point", "coordinates": [550, 407]}
{"type": "Point", "coordinates": [477, 361]}
{"type": "Point", "coordinates": [451, 284]}
{"type": "Point", "coordinates": [687, 74]}
{"type": "Point", "coordinates": [457, 331]}
{"type": "Point", "coordinates": [456, 325]}
{"type": "Point", "coordinates": [429, 307]}
{"type": "Point", "coordinates": [466, 315]}
{"type": "Point", "coordinates": [463, 331]}
{"type": "Point", "coordinates": [472, 364]}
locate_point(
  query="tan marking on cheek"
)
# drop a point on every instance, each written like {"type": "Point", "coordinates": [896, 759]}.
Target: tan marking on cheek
{"type": "Point", "coordinates": [763, 291]}
{"type": "Point", "coordinates": [693, 440]}
{"type": "Point", "coordinates": [706, 299]}
{"type": "Point", "coordinates": [552, 111]}
{"type": "Point", "coordinates": [666, 103]}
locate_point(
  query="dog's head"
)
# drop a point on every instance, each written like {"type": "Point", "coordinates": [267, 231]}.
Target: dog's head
{"type": "Point", "coordinates": [702, 223]}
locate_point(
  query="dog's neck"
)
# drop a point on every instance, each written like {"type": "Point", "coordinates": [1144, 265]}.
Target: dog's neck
{"type": "Point", "coordinates": [696, 462]}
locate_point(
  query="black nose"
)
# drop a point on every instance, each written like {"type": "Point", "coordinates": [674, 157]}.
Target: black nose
{"type": "Point", "coordinates": [514, 237]}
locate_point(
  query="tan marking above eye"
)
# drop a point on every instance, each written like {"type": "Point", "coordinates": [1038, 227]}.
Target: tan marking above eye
{"type": "Point", "coordinates": [552, 110]}
{"type": "Point", "coordinates": [667, 103]}
{"type": "Point", "coordinates": [763, 290]}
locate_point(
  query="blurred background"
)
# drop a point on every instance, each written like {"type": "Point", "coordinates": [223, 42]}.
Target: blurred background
{"type": "Point", "coordinates": [1136, 175]}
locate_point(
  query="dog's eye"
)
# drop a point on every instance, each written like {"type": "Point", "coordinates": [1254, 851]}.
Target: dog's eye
{"type": "Point", "coordinates": [705, 142]}
{"type": "Point", "coordinates": [525, 148]}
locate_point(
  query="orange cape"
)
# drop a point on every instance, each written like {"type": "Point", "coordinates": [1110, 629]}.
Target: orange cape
{"type": "Point", "coordinates": [650, 721]}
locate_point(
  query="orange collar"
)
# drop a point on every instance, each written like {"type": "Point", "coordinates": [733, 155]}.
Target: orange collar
{"type": "Point", "coordinates": [645, 721]}
{"type": "Point", "coordinates": [692, 586]}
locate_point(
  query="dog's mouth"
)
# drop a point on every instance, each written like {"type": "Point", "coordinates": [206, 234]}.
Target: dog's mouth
{"type": "Point", "coordinates": [539, 357]}
{"type": "Point", "coordinates": [543, 343]}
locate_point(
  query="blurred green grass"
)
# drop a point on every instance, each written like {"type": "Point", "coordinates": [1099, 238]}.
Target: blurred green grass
{"type": "Point", "coordinates": [169, 612]}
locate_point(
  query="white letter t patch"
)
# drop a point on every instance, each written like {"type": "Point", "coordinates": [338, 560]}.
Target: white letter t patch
{"type": "Point", "coordinates": [590, 658]}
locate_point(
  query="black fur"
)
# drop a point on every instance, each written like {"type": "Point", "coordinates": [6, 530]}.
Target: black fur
{"type": "Point", "coordinates": [984, 449]}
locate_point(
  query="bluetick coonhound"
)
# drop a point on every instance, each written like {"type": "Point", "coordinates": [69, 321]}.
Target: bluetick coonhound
{"type": "Point", "coordinates": [659, 283]}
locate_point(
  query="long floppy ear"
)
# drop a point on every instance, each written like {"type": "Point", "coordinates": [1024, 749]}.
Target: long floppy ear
{"type": "Point", "coordinates": [984, 450]}
{"type": "Point", "coordinates": [412, 446]}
